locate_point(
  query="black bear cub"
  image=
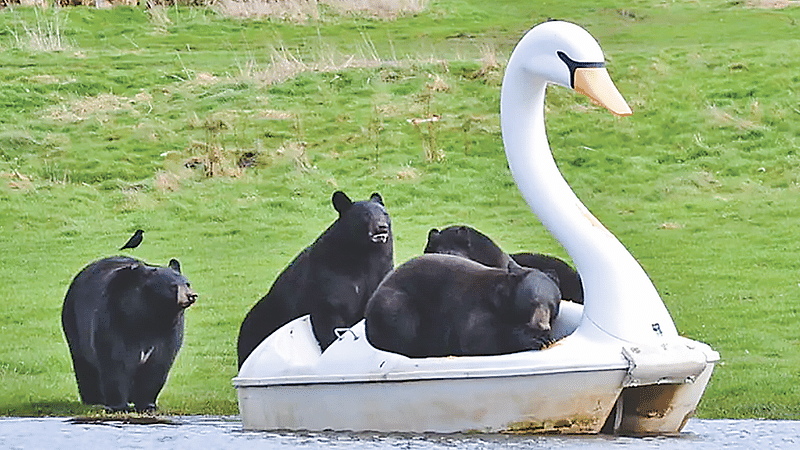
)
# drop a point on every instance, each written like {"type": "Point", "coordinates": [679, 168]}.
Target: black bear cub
{"type": "Point", "coordinates": [123, 321]}
{"type": "Point", "coordinates": [443, 305]}
{"type": "Point", "coordinates": [467, 242]}
{"type": "Point", "coordinates": [331, 279]}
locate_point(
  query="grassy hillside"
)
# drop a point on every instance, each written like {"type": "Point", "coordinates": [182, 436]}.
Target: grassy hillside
{"type": "Point", "coordinates": [224, 139]}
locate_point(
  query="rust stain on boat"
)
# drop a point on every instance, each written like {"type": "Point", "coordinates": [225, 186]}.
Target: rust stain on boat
{"type": "Point", "coordinates": [584, 414]}
{"type": "Point", "coordinates": [572, 425]}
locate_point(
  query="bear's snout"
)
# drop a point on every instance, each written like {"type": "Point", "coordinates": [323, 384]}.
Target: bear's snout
{"type": "Point", "coordinates": [380, 235]}
{"type": "Point", "coordinates": [186, 297]}
{"type": "Point", "coordinates": [540, 320]}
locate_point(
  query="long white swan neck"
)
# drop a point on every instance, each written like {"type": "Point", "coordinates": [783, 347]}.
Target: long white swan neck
{"type": "Point", "coordinates": [618, 295]}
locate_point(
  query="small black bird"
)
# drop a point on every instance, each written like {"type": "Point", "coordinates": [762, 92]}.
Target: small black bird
{"type": "Point", "coordinates": [134, 241]}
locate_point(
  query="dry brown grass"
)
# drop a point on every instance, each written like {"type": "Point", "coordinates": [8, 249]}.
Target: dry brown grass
{"type": "Point", "coordinates": [670, 226]}
{"type": "Point", "coordinates": [302, 10]}
{"type": "Point", "coordinates": [43, 36]}
{"type": "Point", "coordinates": [166, 182]}
{"type": "Point", "coordinates": [772, 4]}
{"type": "Point", "coordinates": [158, 17]}
{"type": "Point", "coordinates": [44, 79]}
{"type": "Point", "coordinates": [211, 155]}
{"type": "Point", "coordinates": [285, 65]}
{"type": "Point", "coordinates": [273, 114]}
{"type": "Point", "coordinates": [294, 10]}
{"type": "Point", "coordinates": [296, 151]}
{"type": "Point", "coordinates": [204, 79]}
{"type": "Point", "coordinates": [489, 60]}
{"type": "Point", "coordinates": [40, 3]}
{"type": "Point", "coordinates": [437, 84]}
{"type": "Point", "coordinates": [16, 180]}
{"type": "Point", "coordinates": [721, 118]}
{"type": "Point", "coordinates": [407, 173]}
{"type": "Point", "coordinates": [384, 9]}
{"type": "Point", "coordinates": [99, 107]}
{"type": "Point", "coordinates": [213, 159]}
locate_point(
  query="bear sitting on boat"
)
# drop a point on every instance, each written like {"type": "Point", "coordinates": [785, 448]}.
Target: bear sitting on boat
{"type": "Point", "coordinates": [461, 240]}
{"type": "Point", "coordinates": [442, 305]}
{"type": "Point", "coordinates": [123, 320]}
{"type": "Point", "coordinates": [331, 280]}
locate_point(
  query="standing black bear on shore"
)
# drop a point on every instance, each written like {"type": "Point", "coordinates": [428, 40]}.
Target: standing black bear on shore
{"type": "Point", "coordinates": [123, 320]}
{"type": "Point", "coordinates": [470, 243]}
{"type": "Point", "coordinates": [442, 305]}
{"type": "Point", "coordinates": [331, 280]}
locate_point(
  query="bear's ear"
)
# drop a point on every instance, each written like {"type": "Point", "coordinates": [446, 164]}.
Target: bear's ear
{"type": "Point", "coordinates": [375, 197]}
{"type": "Point", "coordinates": [175, 265]}
{"type": "Point", "coordinates": [430, 245]}
{"type": "Point", "coordinates": [514, 268]}
{"type": "Point", "coordinates": [341, 202]}
{"type": "Point", "coordinates": [552, 274]}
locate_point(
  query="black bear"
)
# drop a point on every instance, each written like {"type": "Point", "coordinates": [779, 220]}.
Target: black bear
{"type": "Point", "coordinates": [442, 305]}
{"type": "Point", "coordinates": [123, 320]}
{"type": "Point", "coordinates": [331, 279]}
{"type": "Point", "coordinates": [467, 242]}
{"type": "Point", "coordinates": [461, 240]}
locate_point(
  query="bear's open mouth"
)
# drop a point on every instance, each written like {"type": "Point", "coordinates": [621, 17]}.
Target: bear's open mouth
{"type": "Point", "coordinates": [380, 238]}
{"type": "Point", "coordinates": [188, 300]}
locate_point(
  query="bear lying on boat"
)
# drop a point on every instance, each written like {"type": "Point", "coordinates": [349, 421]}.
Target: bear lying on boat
{"type": "Point", "coordinates": [461, 240]}
{"type": "Point", "coordinates": [123, 320]}
{"type": "Point", "coordinates": [331, 280]}
{"type": "Point", "coordinates": [442, 305]}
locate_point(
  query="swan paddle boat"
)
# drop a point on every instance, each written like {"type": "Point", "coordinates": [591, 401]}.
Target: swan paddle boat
{"type": "Point", "coordinates": [618, 365]}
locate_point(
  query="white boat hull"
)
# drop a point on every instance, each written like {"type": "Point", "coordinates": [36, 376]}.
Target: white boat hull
{"type": "Point", "coordinates": [575, 403]}
{"type": "Point", "coordinates": [583, 383]}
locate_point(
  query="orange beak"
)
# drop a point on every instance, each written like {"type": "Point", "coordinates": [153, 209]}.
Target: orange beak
{"type": "Point", "coordinates": [595, 83]}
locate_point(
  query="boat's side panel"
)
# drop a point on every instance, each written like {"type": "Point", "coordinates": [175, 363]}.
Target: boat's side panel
{"type": "Point", "coordinates": [571, 402]}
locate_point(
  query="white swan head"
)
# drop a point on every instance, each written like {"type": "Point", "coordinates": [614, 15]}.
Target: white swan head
{"type": "Point", "coordinates": [619, 298]}
{"type": "Point", "coordinates": [565, 54]}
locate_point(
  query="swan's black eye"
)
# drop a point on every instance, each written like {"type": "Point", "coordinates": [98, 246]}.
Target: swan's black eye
{"type": "Point", "coordinates": [572, 65]}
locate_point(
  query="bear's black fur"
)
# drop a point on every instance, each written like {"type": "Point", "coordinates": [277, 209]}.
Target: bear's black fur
{"type": "Point", "coordinates": [331, 280]}
{"type": "Point", "coordinates": [467, 242]}
{"type": "Point", "coordinates": [441, 305]}
{"type": "Point", "coordinates": [123, 320]}
{"type": "Point", "coordinates": [569, 281]}
{"type": "Point", "coordinates": [461, 240]}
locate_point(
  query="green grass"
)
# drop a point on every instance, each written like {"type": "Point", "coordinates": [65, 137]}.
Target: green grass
{"type": "Point", "coordinates": [701, 183]}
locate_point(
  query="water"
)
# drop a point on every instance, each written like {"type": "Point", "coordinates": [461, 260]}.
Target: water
{"type": "Point", "coordinates": [226, 433]}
